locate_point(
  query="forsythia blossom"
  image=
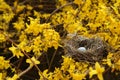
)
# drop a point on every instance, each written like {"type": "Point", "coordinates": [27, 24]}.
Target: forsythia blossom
{"type": "Point", "coordinates": [16, 51]}
{"type": "Point", "coordinates": [98, 70]}
{"type": "Point", "coordinates": [15, 77]}
{"type": "Point", "coordinates": [34, 60]}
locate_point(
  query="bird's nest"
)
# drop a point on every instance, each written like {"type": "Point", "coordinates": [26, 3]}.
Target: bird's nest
{"type": "Point", "coordinates": [96, 48]}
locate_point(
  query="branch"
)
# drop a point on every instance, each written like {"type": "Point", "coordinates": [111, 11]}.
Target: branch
{"type": "Point", "coordinates": [58, 9]}
{"type": "Point", "coordinates": [10, 40]}
{"type": "Point", "coordinates": [25, 71]}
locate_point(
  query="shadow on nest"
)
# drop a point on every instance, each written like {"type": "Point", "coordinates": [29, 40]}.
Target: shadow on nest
{"type": "Point", "coordinates": [95, 49]}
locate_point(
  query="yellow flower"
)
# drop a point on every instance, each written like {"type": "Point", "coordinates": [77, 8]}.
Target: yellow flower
{"type": "Point", "coordinates": [98, 70]}
{"type": "Point", "coordinates": [66, 63]}
{"type": "Point", "coordinates": [34, 60]}
{"type": "Point", "coordinates": [109, 56]}
{"type": "Point", "coordinates": [63, 1]}
{"type": "Point", "coordinates": [19, 24]}
{"type": "Point", "coordinates": [117, 65]}
{"type": "Point", "coordinates": [77, 76]}
{"type": "Point", "coordinates": [18, 7]}
{"type": "Point", "coordinates": [0, 76]}
{"type": "Point", "coordinates": [51, 38]}
{"type": "Point", "coordinates": [45, 73]}
{"type": "Point", "coordinates": [4, 63]}
{"type": "Point", "coordinates": [22, 37]}
{"type": "Point", "coordinates": [3, 75]}
{"type": "Point", "coordinates": [15, 77]}
{"type": "Point", "coordinates": [34, 26]}
{"type": "Point", "coordinates": [16, 51]}
{"type": "Point", "coordinates": [78, 2]}
{"type": "Point", "coordinates": [2, 38]}
{"type": "Point", "coordinates": [58, 74]}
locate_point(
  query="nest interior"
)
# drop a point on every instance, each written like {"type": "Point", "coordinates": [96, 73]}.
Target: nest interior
{"type": "Point", "coordinates": [96, 48]}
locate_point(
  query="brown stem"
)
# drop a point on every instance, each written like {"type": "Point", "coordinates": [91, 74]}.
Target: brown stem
{"type": "Point", "coordinates": [25, 71]}
{"type": "Point", "coordinates": [21, 60]}
{"type": "Point", "coordinates": [52, 60]}
{"type": "Point", "coordinates": [58, 10]}
{"type": "Point", "coordinates": [10, 40]}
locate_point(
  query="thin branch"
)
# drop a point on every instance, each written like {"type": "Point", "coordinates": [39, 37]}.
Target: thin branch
{"type": "Point", "coordinates": [47, 59]}
{"type": "Point", "coordinates": [26, 70]}
{"type": "Point", "coordinates": [10, 58]}
{"type": "Point", "coordinates": [10, 40]}
{"type": "Point", "coordinates": [52, 60]}
{"type": "Point", "coordinates": [20, 63]}
{"type": "Point", "coordinates": [23, 2]}
{"type": "Point", "coordinates": [58, 10]}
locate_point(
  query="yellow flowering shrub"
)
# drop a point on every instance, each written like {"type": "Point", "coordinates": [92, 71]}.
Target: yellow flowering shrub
{"type": "Point", "coordinates": [35, 61]}
{"type": "Point", "coordinates": [69, 70]}
{"type": "Point", "coordinates": [32, 36]}
{"type": "Point", "coordinates": [4, 64]}
{"type": "Point", "coordinates": [98, 70]}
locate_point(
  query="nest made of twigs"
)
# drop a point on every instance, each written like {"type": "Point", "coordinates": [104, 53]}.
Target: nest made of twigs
{"type": "Point", "coordinates": [96, 48]}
